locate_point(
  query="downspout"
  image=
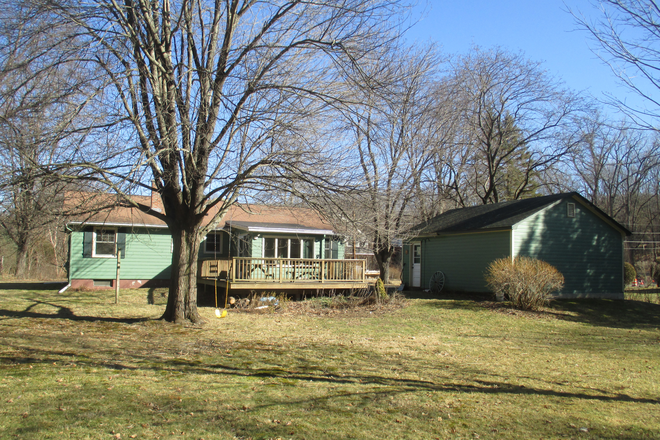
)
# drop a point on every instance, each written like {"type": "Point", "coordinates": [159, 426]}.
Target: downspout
{"type": "Point", "coordinates": [63, 289]}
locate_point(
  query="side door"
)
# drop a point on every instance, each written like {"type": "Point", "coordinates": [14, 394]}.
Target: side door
{"type": "Point", "coordinates": [416, 266]}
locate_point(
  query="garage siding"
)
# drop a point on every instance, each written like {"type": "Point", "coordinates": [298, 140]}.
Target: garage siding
{"type": "Point", "coordinates": [463, 258]}
{"type": "Point", "coordinates": [584, 248]}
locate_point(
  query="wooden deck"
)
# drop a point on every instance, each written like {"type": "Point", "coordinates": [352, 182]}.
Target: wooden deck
{"type": "Point", "coordinates": [284, 273]}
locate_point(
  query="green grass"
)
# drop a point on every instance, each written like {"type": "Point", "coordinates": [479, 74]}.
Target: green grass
{"type": "Point", "coordinates": [76, 366]}
{"type": "Point", "coordinates": [643, 295]}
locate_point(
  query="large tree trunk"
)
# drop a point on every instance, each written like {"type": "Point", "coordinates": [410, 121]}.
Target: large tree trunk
{"type": "Point", "coordinates": [22, 251]}
{"type": "Point", "coordinates": [182, 299]}
{"type": "Point", "coordinates": [383, 258]}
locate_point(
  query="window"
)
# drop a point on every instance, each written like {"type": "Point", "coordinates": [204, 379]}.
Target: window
{"type": "Point", "coordinates": [570, 210]}
{"type": "Point", "coordinates": [105, 242]}
{"type": "Point", "coordinates": [331, 249]}
{"type": "Point", "coordinates": [269, 247]}
{"type": "Point", "coordinates": [244, 246]}
{"type": "Point", "coordinates": [307, 248]}
{"type": "Point", "coordinates": [213, 243]}
{"type": "Point", "coordinates": [295, 248]}
{"type": "Point", "coordinates": [102, 283]}
{"type": "Point", "coordinates": [288, 247]}
{"type": "Point", "coordinates": [417, 254]}
{"type": "Point", "coordinates": [282, 248]}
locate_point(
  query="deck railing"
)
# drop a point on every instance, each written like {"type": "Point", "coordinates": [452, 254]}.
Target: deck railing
{"type": "Point", "coordinates": [284, 270]}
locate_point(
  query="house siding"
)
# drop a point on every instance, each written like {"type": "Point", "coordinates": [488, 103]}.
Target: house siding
{"type": "Point", "coordinates": [148, 255]}
{"type": "Point", "coordinates": [462, 258]}
{"type": "Point", "coordinates": [584, 248]}
{"type": "Point", "coordinates": [257, 247]}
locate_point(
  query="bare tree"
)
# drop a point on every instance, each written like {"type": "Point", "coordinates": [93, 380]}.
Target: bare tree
{"type": "Point", "coordinates": [211, 101]}
{"type": "Point", "coordinates": [616, 167]}
{"type": "Point", "coordinates": [512, 123]}
{"type": "Point", "coordinates": [389, 128]}
{"type": "Point", "coordinates": [628, 32]}
{"type": "Point", "coordinates": [40, 96]}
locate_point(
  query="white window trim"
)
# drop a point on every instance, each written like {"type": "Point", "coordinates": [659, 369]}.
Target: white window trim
{"type": "Point", "coordinates": [570, 210]}
{"type": "Point", "coordinates": [288, 246]}
{"type": "Point", "coordinates": [94, 254]}
{"type": "Point", "coordinates": [222, 242]}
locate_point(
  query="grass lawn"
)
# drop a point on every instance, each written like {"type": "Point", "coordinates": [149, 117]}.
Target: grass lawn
{"type": "Point", "coordinates": [76, 366]}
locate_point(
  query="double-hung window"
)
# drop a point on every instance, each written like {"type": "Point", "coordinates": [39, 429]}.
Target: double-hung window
{"type": "Point", "coordinates": [105, 242]}
{"type": "Point", "coordinates": [213, 244]}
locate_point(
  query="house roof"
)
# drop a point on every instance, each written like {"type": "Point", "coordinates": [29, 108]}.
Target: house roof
{"type": "Point", "coordinates": [502, 215]}
{"type": "Point", "coordinates": [259, 218]}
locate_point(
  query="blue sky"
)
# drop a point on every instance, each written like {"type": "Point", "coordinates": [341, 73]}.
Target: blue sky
{"type": "Point", "coordinates": [543, 30]}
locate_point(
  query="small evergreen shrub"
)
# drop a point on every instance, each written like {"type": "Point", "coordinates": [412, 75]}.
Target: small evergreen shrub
{"type": "Point", "coordinates": [526, 282]}
{"type": "Point", "coordinates": [629, 273]}
{"type": "Point", "coordinates": [381, 293]}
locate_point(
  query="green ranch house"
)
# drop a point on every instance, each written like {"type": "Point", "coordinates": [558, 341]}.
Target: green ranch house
{"type": "Point", "coordinates": [254, 248]}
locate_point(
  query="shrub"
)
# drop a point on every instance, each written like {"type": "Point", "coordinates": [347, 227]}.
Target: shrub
{"type": "Point", "coordinates": [526, 282]}
{"type": "Point", "coordinates": [629, 273]}
{"type": "Point", "coordinates": [381, 293]}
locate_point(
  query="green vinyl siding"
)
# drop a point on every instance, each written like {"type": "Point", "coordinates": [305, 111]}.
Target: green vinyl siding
{"type": "Point", "coordinates": [462, 258]}
{"type": "Point", "coordinates": [148, 255]}
{"type": "Point", "coordinates": [257, 247]}
{"type": "Point", "coordinates": [585, 249]}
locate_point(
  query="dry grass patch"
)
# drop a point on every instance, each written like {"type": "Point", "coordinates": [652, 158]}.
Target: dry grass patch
{"type": "Point", "coordinates": [76, 366]}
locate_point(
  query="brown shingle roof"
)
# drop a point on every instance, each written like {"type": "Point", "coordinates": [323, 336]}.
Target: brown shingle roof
{"type": "Point", "coordinates": [129, 216]}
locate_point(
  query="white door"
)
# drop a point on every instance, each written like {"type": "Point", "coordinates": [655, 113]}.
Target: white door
{"type": "Point", "coordinates": [416, 264]}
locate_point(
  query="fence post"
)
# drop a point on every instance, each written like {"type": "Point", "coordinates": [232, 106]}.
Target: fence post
{"type": "Point", "coordinates": [117, 280]}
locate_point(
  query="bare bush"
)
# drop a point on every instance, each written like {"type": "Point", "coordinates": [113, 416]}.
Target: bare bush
{"type": "Point", "coordinates": [526, 282]}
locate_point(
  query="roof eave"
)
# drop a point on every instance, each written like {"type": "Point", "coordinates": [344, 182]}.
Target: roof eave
{"type": "Point", "coordinates": [118, 224]}
{"type": "Point", "coordinates": [274, 230]}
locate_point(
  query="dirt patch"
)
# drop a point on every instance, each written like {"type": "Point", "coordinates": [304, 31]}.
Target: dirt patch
{"type": "Point", "coordinates": [329, 307]}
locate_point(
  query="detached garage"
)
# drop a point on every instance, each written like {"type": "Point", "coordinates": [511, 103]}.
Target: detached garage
{"type": "Point", "coordinates": [565, 230]}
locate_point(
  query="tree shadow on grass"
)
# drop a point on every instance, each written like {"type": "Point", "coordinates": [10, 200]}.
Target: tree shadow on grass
{"type": "Point", "coordinates": [63, 313]}
{"type": "Point", "coordinates": [625, 314]}
{"type": "Point", "coordinates": [449, 295]}
{"type": "Point", "coordinates": [608, 313]}
{"type": "Point", "coordinates": [314, 374]}
{"type": "Point", "coordinates": [31, 285]}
